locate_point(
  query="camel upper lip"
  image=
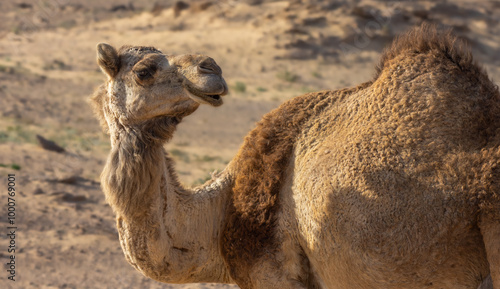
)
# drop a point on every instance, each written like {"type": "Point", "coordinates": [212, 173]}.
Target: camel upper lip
{"type": "Point", "coordinates": [198, 95]}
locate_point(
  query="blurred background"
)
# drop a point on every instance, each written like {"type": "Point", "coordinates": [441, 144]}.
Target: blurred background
{"type": "Point", "coordinates": [270, 51]}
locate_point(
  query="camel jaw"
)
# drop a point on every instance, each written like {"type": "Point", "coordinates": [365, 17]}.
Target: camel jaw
{"type": "Point", "coordinates": [203, 97]}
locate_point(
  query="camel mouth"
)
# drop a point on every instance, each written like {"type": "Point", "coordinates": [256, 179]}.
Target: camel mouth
{"type": "Point", "coordinates": [213, 99]}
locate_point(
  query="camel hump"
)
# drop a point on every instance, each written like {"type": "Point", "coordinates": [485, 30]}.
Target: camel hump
{"type": "Point", "coordinates": [427, 39]}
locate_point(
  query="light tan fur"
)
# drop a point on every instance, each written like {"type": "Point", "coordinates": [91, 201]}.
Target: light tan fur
{"type": "Point", "coordinates": [392, 184]}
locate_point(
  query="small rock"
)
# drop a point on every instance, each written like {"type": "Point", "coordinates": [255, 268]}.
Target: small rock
{"type": "Point", "coordinates": [67, 197]}
{"type": "Point", "coordinates": [70, 198]}
{"type": "Point", "coordinates": [300, 44]}
{"type": "Point", "coordinates": [38, 191]}
{"type": "Point", "coordinates": [69, 180]}
{"type": "Point", "coordinates": [296, 30]}
{"type": "Point", "coordinates": [24, 5]}
{"type": "Point", "coordinates": [49, 145]}
{"type": "Point", "coordinates": [365, 12]}
{"type": "Point", "coordinates": [121, 7]}
{"type": "Point", "coordinates": [314, 21]}
{"type": "Point", "coordinates": [422, 14]}
{"type": "Point", "coordinates": [179, 6]}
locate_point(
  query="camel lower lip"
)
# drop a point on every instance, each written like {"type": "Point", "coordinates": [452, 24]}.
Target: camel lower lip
{"type": "Point", "coordinates": [197, 95]}
{"type": "Point", "coordinates": [214, 100]}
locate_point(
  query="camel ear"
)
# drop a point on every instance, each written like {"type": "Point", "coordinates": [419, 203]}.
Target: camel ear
{"type": "Point", "coordinates": [108, 59]}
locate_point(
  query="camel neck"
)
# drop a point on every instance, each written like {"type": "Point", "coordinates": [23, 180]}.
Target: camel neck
{"type": "Point", "coordinates": [167, 232]}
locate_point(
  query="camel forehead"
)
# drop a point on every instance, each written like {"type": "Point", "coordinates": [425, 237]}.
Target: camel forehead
{"type": "Point", "coordinates": [130, 55]}
{"type": "Point", "coordinates": [137, 50]}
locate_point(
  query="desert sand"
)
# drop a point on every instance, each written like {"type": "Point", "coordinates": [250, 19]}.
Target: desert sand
{"type": "Point", "coordinates": [270, 51]}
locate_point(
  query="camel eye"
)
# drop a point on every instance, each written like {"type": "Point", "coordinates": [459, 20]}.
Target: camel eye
{"type": "Point", "coordinates": [143, 74]}
{"type": "Point", "coordinates": [145, 71]}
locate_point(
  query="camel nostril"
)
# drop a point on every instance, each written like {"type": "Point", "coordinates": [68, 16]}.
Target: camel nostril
{"type": "Point", "coordinates": [208, 65]}
{"type": "Point", "coordinates": [205, 69]}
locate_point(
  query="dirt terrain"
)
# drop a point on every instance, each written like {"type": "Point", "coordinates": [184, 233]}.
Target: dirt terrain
{"type": "Point", "coordinates": [270, 51]}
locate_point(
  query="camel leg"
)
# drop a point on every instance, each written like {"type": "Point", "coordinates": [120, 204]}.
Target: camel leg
{"type": "Point", "coordinates": [490, 229]}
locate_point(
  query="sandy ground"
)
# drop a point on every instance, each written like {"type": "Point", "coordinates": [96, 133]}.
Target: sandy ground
{"type": "Point", "coordinates": [269, 51]}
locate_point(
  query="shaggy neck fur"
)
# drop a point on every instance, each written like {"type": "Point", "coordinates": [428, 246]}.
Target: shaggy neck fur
{"type": "Point", "coordinates": [166, 232]}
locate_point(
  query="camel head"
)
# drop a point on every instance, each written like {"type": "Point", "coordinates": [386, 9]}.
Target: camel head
{"type": "Point", "coordinates": [145, 84]}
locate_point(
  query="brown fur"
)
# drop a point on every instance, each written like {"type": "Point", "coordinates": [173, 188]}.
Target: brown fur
{"type": "Point", "coordinates": [261, 162]}
{"type": "Point", "coordinates": [484, 183]}
{"type": "Point", "coordinates": [130, 174]}
{"type": "Point", "coordinates": [445, 47]}
{"type": "Point", "coordinates": [96, 101]}
{"type": "Point", "coordinates": [426, 39]}
{"type": "Point", "coordinates": [250, 227]}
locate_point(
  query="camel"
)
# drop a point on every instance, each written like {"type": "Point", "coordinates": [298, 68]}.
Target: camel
{"type": "Point", "coordinates": [394, 183]}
